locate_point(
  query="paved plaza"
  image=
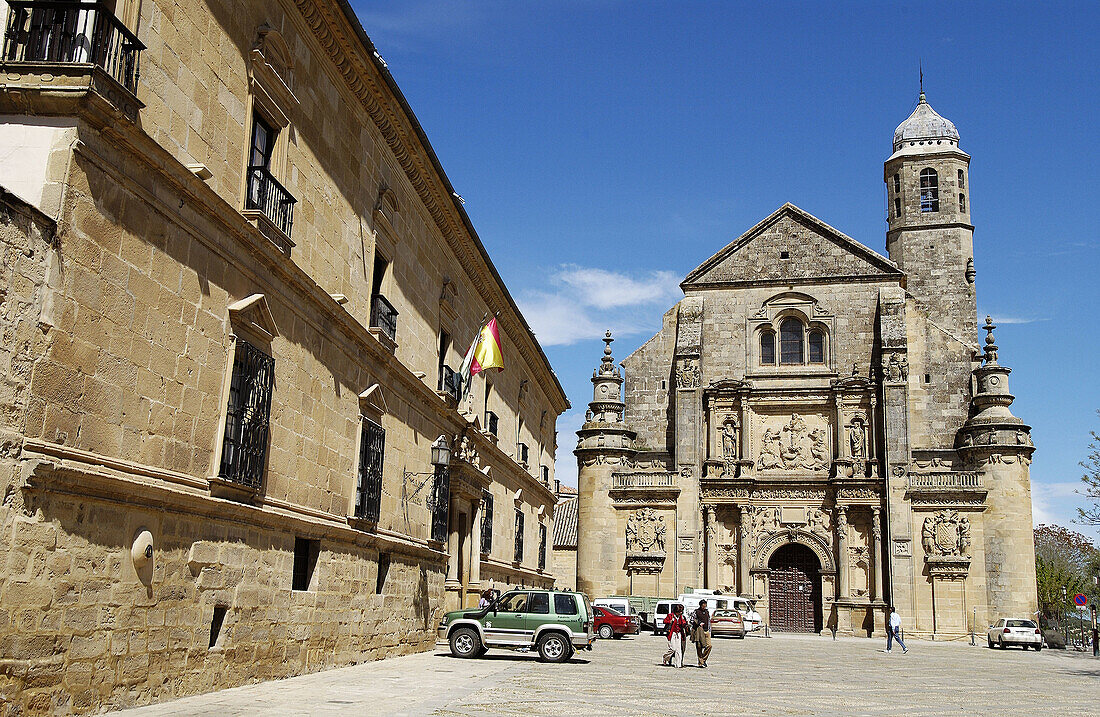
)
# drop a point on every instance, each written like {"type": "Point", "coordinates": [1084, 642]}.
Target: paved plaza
{"type": "Point", "coordinates": [784, 675]}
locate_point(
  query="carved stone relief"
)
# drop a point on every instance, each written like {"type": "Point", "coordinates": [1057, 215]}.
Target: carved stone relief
{"type": "Point", "coordinates": [946, 533]}
{"type": "Point", "coordinates": [687, 374]}
{"type": "Point", "coordinates": [731, 431]}
{"type": "Point", "coordinates": [645, 532]}
{"type": "Point", "coordinates": [794, 444]}
{"type": "Point", "coordinates": [895, 367]}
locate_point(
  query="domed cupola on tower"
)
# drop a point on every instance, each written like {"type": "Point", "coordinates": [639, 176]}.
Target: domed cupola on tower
{"type": "Point", "coordinates": [925, 130]}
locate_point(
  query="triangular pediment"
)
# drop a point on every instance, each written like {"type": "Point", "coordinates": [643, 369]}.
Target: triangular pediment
{"type": "Point", "coordinates": [252, 313]}
{"type": "Point", "coordinates": [791, 245]}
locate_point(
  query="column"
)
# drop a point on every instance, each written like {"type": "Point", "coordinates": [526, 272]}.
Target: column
{"type": "Point", "coordinates": [474, 586]}
{"type": "Point", "coordinates": [743, 551]}
{"type": "Point", "coordinates": [842, 551]}
{"type": "Point", "coordinates": [452, 543]}
{"type": "Point", "coordinates": [711, 549]}
{"type": "Point", "coordinates": [876, 532]}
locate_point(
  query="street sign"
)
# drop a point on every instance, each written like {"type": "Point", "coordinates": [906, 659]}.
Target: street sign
{"type": "Point", "coordinates": [1080, 600]}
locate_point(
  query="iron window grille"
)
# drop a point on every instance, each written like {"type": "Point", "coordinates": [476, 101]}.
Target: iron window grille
{"type": "Point", "coordinates": [450, 382]}
{"type": "Point", "coordinates": [383, 316]}
{"type": "Point", "coordinates": [268, 196]}
{"type": "Point", "coordinates": [486, 522]}
{"type": "Point", "coordinates": [542, 547]}
{"type": "Point", "coordinates": [491, 422]}
{"type": "Point", "coordinates": [517, 555]}
{"type": "Point", "coordinates": [368, 494]}
{"type": "Point", "coordinates": [244, 449]}
{"type": "Point", "coordinates": [440, 502]}
{"type": "Point", "coordinates": [73, 33]}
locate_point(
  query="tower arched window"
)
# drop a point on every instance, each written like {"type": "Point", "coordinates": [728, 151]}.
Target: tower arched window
{"type": "Point", "coordinates": [929, 191]}
{"type": "Point", "coordinates": [897, 183]}
{"type": "Point", "coordinates": [816, 343]}
{"type": "Point", "coordinates": [791, 344]}
{"type": "Point", "coordinates": [767, 347]}
{"type": "Point", "coordinates": [962, 202]}
{"type": "Point", "coordinates": [897, 208]}
{"type": "Point", "coordinates": [962, 180]}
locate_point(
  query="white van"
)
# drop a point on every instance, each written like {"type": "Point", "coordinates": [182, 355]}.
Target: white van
{"type": "Point", "coordinates": [749, 615]}
{"type": "Point", "coordinates": [715, 601]}
{"type": "Point", "coordinates": [620, 605]}
{"type": "Point", "coordinates": [660, 612]}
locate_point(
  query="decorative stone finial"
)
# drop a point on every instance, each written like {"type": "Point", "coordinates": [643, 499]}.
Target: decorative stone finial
{"type": "Point", "coordinates": [990, 342]}
{"type": "Point", "coordinates": [608, 364]}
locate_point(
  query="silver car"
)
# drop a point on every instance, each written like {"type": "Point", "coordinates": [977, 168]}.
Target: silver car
{"type": "Point", "coordinates": [1011, 631]}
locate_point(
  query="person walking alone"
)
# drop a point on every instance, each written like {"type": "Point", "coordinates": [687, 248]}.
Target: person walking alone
{"type": "Point", "coordinates": [700, 632]}
{"type": "Point", "coordinates": [676, 628]}
{"type": "Point", "coordinates": [893, 631]}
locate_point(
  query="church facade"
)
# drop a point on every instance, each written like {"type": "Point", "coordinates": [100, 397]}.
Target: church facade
{"type": "Point", "coordinates": [816, 426]}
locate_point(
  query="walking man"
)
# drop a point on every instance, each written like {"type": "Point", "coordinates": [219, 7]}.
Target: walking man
{"type": "Point", "coordinates": [893, 631]}
{"type": "Point", "coordinates": [700, 620]}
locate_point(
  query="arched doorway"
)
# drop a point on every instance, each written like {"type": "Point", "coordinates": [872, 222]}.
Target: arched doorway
{"type": "Point", "coordinates": [794, 589]}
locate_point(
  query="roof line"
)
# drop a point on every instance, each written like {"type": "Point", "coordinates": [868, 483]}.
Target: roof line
{"type": "Point", "coordinates": [391, 83]}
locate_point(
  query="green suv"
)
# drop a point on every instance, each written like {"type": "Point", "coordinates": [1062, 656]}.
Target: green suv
{"type": "Point", "coordinates": [556, 623]}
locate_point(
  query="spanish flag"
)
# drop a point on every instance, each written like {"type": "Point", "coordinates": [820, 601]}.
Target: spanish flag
{"type": "Point", "coordinates": [485, 353]}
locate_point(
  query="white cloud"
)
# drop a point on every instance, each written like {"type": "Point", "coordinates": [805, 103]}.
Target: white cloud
{"type": "Point", "coordinates": [999, 319]}
{"type": "Point", "coordinates": [1054, 502]}
{"type": "Point", "coordinates": [583, 301]}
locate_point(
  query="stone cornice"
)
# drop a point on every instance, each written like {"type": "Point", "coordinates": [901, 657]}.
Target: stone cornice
{"type": "Point", "coordinates": [335, 26]}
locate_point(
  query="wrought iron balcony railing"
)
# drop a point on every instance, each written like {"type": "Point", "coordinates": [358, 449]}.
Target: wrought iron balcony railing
{"type": "Point", "coordinates": [383, 316]}
{"type": "Point", "coordinates": [450, 382]}
{"type": "Point", "coordinates": [268, 196]}
{"type": "Point", "coordinates": [72, 33]}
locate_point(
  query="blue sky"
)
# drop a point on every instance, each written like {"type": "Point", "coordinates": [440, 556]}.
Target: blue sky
{"type": "Point", "coordinates": [619, 144]}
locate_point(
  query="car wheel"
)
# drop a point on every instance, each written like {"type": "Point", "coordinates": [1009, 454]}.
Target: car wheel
{"type": "Point", "coordinates": [465, 642]}
{"type": "Point", "coordinates": [989, 641]}
{"type": "Point", "coordinates": [554, 648]}
{"type": "Point", "coordinates": [1001, 644]}
{"type": "Point", "coordinates": [1037, 647]}
{"type": "Point", "coordinates": [606, 632]}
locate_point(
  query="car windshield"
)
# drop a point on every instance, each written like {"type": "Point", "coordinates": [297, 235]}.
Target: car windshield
{"type": "Point", "coordinates": [1021, 623]}
{"type": "Point", "coordinates": [610, 610]}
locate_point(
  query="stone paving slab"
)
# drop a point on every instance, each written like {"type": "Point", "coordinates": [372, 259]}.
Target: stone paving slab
{"type": "Point", "coordinates": [784, 675]}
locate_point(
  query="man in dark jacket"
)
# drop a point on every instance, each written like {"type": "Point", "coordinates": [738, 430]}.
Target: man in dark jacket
{"type": "Point", "coordinates": [700, 620]}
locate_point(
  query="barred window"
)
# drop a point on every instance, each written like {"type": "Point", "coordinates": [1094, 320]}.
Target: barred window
{"type": "Point", "coordinates": [441, 499]}
{"type": "Point", "coordinates": [791, 344]}
{"type": "Point", "coordinates": [929, 191]}
{"type": "Point", "coordinates": [897, 183]}
{"type": "Point", "coordinates": [518, 553]}
{"type": "Point", "coordinates": [962, 202]}
{"type": "Point", "coordinates": [542, 547]}
{"type": "Point", "coordinates": [368, 493]}
{"type": "Point", "coordinates": [486, 522]}
{"type": "Point", "coordinates": [767, 347]}
{"type": "Point", "coordinates": [244, 449]}
{"type": "Point", "coordinates": [962, 180]}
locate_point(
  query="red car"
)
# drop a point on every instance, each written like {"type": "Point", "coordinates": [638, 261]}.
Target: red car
{"type": "Point", "coordinates": [612, 623]}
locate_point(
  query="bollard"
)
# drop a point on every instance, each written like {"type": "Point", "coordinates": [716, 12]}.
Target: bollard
{"type": "Point", "coordinates": [1095, 645]}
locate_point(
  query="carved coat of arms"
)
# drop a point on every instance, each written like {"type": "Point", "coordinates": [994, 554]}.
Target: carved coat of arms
{"type": "Point", "coordinates": [645, 532]}
{"type": "Point", "coordinates": [946, 534]}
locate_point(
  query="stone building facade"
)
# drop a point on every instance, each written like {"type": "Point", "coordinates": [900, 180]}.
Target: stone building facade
{"type": "Point", "coordinates": [235, 283]}
{"type": "Point", "coordinates": [816, 426]}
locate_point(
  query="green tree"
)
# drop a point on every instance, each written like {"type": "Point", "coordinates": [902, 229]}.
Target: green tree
{"type": "Point", "coordinates": [1090, 515]}
{"type": "Point", "coordinates": [1063, 558]}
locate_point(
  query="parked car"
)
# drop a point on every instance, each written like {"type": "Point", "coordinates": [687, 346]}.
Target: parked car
{"type": "Point", "coordinates": [747, 608]}
{"type": "Point", "coordinates": [555, 623]}
{"type": "Point", "coordinates": [1014, 631]}
{"type": "Point", "coordinates": [611, 623]}
{"type": "Point", "coordinates": [619, 604]}
{"type": "Point", "coordinates": [727, 622]}
{"type": "Point", "coordinates": [660, 612]}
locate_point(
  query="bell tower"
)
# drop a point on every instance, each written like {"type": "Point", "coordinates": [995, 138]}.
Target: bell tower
{"type": "Point", "coordinates": [931, 239]}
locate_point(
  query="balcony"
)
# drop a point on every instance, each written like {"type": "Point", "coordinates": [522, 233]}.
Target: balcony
{"type": "Point", "coordinates": [954, 480]}
{"type": "Point", "coordinates": [72, 33]}
{"type": "Point", "coordinates": [658, 488]}
{"type": "Point", "coordinates": [267, 196]}
{"type": "Point", "coordinates": [627, 481]}
{"type": "Point", "coordinates": [383, 317]}
{"type": "Point", "coordinates": [450, 383]}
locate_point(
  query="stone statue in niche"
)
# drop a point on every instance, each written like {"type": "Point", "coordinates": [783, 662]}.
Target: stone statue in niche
{"type": "Point", "coordinates": [857, 439]}
{"type": "Point", "coordinates": [645, 532]}
{"type": "Point", "coordinates": [769, 452]}
{"type": "Point", "coordinates": [730, 437]}
{"type": "Point", "coordinates": [793, 450]}
{"type": "Point", "coordinates": [946, 534]}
